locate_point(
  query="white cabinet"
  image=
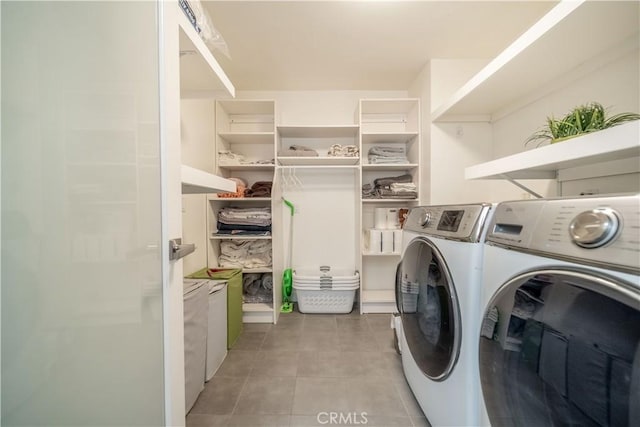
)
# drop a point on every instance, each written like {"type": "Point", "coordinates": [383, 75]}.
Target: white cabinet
{"type": "Point", "coordinates": [245, 149]}
{"type": "Point", "coordinates": [393, 124]}
{"type": "Point", "coordinates": [542, 61]}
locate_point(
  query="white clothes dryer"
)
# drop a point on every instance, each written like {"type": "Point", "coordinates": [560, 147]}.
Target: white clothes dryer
{"type": "Point", "coordinates": [438, 296]}
{"type": "Point", "coordinates": [560, 341]}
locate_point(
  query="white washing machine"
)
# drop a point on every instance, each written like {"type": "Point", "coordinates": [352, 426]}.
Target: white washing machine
{"type": "Point", "coordinates": [560, 341]}
{"type": "Point", "coordinates": [438, 295]}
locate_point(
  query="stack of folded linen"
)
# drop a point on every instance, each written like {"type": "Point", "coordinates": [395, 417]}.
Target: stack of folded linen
{"type": "Point", "coordinates": [393, 187]}
{"type": "Point", "coordinates": [245, 254]}
{"type": "Point", "coordinates": [337, 150]}
{"type": "Point", "coordinates": [259, 189]}
{"type": "Point", "coordinates": [387, 155]}
{"type": "Point", "coordinates": [298, 151]}
{"type": "Point", "coordinates": [244, 221]}
{"type": "Point", "coordinates": [257, 288]}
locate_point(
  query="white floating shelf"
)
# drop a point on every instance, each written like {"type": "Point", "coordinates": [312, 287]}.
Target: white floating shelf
{"type": "Point", "coordinates": [318, 161]}
{"type": "Point", "coordinates": [615, 143]}
{"type": "Point", "coordinates": [248, 167]}
{"type": "Point", "coordinates": [215, 236]}
{"type": "Point", "coordinates": [395, 167]}
{"type": "Point", "coordinates": [303, 131]}
{"type": "Point", "coordinates": [389, 200]}
{"type": "Point", "coordinates": [388, 137]}
{"type": "Point", "coordinates": [195, 181]}
{"type": "Point", "coordinates": [199, 70]}
{"type": "Point", "coordinates": [238, 199]}
{"type": "Point", "coordinates": [545, 53]}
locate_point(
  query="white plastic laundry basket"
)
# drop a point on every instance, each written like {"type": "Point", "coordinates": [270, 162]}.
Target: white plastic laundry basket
{"type": "Point", "coordinates": [325, 291]}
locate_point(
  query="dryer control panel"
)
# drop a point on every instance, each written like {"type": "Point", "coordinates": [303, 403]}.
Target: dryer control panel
{"type": "Point", "coordinates": [602, 231]}
{"type": "Point", "coordinates": [456, 222]}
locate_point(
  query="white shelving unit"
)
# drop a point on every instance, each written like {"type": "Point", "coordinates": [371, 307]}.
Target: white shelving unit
{"type": "Point", "coordinates": [199, 71]}
{"type": "Point", "coordinates": [524, 73]}
{"type": "Point", "coordinates": [318, 138]}
{"type": "Point", "coordinates": [247, 128]}
{"type": "Point", "coordinates": [195, 181]}
{"type": "Point", "coordinates": [615, 143]}
{"type": "Point", "coordinates": [392, 123]}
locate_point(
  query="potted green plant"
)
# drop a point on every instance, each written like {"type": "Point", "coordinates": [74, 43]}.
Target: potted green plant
{"type": "Point", "coordinates": [583, 119]}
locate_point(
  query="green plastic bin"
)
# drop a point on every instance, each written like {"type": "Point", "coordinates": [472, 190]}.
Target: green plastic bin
{"type": "Point", "coordinates": [234, 297]}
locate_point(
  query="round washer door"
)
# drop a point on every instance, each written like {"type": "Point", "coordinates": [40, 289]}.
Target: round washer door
{"type": "Point", "coordinates": [429, 309]}
{"type": "Point", "coordinates": [562, 347]}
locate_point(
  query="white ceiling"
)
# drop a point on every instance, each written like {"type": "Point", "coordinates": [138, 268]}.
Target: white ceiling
{"type": "Point", "coordinates": [359, 45]}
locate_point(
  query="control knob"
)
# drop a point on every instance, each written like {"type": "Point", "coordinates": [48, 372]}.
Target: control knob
{"type": "Point", "coordinates": [425, 218]}
{"type": "Point", "coordinates": [594, 228]}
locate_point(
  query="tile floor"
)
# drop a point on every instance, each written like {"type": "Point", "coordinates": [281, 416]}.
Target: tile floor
{"type": "Point", "coordinates": [298, 372]}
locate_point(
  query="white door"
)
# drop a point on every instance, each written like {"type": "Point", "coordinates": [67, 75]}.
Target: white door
{"type": "Point", "coordinates": [83, 256]}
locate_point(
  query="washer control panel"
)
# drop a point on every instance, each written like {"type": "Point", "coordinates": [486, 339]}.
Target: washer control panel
{"type": "Point", "coordinates": [459, 222]}
{"type": "Point", "coordinates": [603, 230]}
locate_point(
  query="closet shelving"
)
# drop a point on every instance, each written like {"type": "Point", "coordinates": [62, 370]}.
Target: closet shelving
{"type": "Point", "coordinates": [385, 123]}
{"type": "Point", "coordinates": [199, 71]}
{"type": "Point", "coordinates": [319, 138]}
{"type": "Point", "coordinates": [247, 128]}
{"type": "Point", "coordinates": [509, 81]}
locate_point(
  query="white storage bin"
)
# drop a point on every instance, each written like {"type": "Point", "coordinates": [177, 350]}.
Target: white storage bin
{"type": "Point", "coordinates": [325, 291]}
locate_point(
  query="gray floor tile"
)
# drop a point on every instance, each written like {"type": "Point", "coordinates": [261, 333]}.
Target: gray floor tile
{"type": "Point", "coordinates": [238, 363]}
{"type": "Point", "coordinates": [318, 341]}
{"type": "Point", "coordinates": [319, 364]}
{"type": "Point", "coordinates": [409, 401]}
{"type": "Point", "coordinates": [385, 338]}
{"type": "Point", "coordinates": [375, 396]}
{"type": "Point", "coordinates": [206, 420]}
{"type": "Point", "coordinates": [279, 339]}
{"type": "Point", "coordinates": [275, 363]}
{"type": "Point", "coordinates": [315, 395]}
{"type": "Point", "coordinates": [385, 421]}
{"type": "Point", "coordinates": [257, 327]}
{"type": "Point", "coordinates": [266, 395]}
{"type": "Point", "coordinates": [352, 324]}
{"type": "Point", "coordinates": [260, 420]}
{"type": "Point", "coordinates": [394, 364]}
{"type": "Point", "coordinates": [250, 341]}
{"type": "Point", "coordinates": [362, 364]}
{"type": "Point", "coordinates": [420, 422]}
{"type": "Point", "coordinates": [219, 396]}
{"type": "Point", "coordinates": [320, 323]}
{"type": "Point", "coordinates": [357, 341]}
{"type": "Point", "coordinates": [379, 321]}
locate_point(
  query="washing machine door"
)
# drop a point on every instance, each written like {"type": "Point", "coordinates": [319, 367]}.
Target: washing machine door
{"type": "Point", "coordinates": [428, 306]}
{"type": "Point", "coordinates": [562, 347]}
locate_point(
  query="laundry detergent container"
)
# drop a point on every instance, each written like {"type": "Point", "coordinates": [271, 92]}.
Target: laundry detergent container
{"type": "Point", "coordinates": [325, 290]}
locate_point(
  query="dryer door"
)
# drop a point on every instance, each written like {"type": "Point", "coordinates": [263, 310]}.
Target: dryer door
{"type": "Point", "coordinates": [565, 351]}
{"type": "Point", "coordinates": [428, 306]}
